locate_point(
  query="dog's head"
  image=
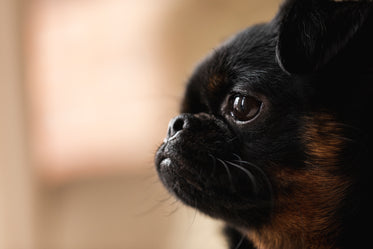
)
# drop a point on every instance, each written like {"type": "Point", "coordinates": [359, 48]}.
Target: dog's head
{"type": "Point", "coordinates": [274, 135]}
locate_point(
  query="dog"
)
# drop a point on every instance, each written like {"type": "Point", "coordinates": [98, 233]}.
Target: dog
{"type": "Point", "coordinates": [274, 136]}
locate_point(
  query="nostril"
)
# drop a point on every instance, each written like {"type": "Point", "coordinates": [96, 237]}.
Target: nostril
{"type": "Point", "coordinates": [177, 124]}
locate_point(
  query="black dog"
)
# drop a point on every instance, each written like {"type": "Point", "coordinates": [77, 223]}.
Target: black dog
{"type": "Point", "coordinates": [275, 136]}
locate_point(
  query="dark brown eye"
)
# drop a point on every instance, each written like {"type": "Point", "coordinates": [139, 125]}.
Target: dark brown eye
{"type": "Point", "coordinates": [244, 108]}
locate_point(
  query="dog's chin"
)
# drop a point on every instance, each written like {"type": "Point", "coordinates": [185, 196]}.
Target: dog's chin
{"type": "Point", "coordinates": [178, 177]}
{"type": "Point", "coordinates": [183, 184]}
{"type": "Point", "coordinates": [211, 187]}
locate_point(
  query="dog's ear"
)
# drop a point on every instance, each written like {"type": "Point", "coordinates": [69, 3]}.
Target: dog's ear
{"type": "Point", "coordinates": [314, 34]}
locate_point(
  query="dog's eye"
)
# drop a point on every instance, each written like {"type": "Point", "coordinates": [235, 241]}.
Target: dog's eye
{"type": "Point", "coordinates": [244, 108]}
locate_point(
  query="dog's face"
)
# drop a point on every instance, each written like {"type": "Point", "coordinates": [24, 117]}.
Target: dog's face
{"type": "Point", "coordinates": [236, 126]}
{"type": "Point", "coordinates": [270, 136]}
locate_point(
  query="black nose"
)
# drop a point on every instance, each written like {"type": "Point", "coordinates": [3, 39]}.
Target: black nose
{"type": "Point", "coordinates": [177, 124]}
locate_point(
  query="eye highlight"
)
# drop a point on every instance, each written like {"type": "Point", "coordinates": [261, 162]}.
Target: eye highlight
{"type": "Point", "coordinates": [244, 108]}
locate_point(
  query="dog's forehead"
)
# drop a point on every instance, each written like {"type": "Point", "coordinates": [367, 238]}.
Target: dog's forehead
{"type": "Point", "coordinates": [247, 59]}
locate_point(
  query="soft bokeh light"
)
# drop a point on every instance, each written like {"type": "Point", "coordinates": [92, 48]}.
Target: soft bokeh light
{"type": "Point", "coordinates": [96, 76]}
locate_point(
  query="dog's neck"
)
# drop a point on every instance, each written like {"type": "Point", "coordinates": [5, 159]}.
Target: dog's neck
{"type": "Point", "coordinates": [299, 224]}
{"type": "Point", "coordinates": [267, 239]}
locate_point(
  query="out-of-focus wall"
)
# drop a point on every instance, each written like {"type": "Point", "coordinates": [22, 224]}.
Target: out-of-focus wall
{"type": "Point", "coordinates": [87, 89]}
{"type": "Point", "coordinates": [105, 76]}
{"type": "Point", "coordinates": [17, 189]}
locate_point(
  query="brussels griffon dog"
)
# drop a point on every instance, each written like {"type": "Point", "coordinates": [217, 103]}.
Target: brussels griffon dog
{"type": "Point", "coordinates": [274, 136]}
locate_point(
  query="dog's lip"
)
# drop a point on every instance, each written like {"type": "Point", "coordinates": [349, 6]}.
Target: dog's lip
{"type": "Point", "coordinates": [162, 159]}
{"type": "Point", "coordinates": [165, 162]}
{"type": "Point", "coordinates": [164, 155]}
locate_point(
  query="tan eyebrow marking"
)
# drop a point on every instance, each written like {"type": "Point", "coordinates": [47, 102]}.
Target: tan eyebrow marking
{"type": "Point", "coordinates": [215, 82]}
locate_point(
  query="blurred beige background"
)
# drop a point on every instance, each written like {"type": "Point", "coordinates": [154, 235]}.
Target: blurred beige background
{"type": "Point", "coordinates": [87, 88]}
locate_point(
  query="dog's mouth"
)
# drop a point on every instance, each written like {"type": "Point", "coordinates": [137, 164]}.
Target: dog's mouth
{"type": "Point", "coordinates": [204, 170]}
{"type": "Point", "coordinates": [176, 173]}
{"type": "Point", "coordinates": [165, 162]}
{"type": "Point", "coordinates": [207, 173]}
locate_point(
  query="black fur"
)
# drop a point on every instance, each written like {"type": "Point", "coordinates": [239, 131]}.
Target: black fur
{"type": "Point", "coordinates": [297, 174]}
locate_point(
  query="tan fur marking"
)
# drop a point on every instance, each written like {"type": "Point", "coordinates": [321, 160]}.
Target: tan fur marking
{"type": "Point", "coordinates": [214, 82]}
{"type": "Point", "coordinates": [305, 209]}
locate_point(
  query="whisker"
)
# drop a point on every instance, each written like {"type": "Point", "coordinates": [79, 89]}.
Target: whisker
{"type": "Point", "coordinates": [177, 208]}
{"type": "Point", "coordinates": [195, 212]}
{"type": "Point", "coordinates": [228, 172]}
{"type": "Point", "coordinates": [165, 199]}
{"type": "Point", "coordinates": [248, 173]}
{"type": "Point", "coordinates": [213, 163]}
{"type": "Point", "coordinates": [240, 242]}
{"type": "Point", "coordinates": [174, 202]}
{"type": "Point", "coordinates": [192, 222]}
{"type": "Point", "coordinates": [148, 210]}
{"type": "Point", "coordinates": [265, 177]}
{"type": "Point", "coordinates": [232, 139]}
{"type": "Point", "coordinates": [238, 157]}
{"type": "Point", "coordinates": [153, 207]}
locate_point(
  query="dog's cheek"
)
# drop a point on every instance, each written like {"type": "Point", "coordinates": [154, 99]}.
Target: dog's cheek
{"type": "Point", "coordinates": [323, 139]}
{"type": "Point", "coordinates": [308, 199]}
